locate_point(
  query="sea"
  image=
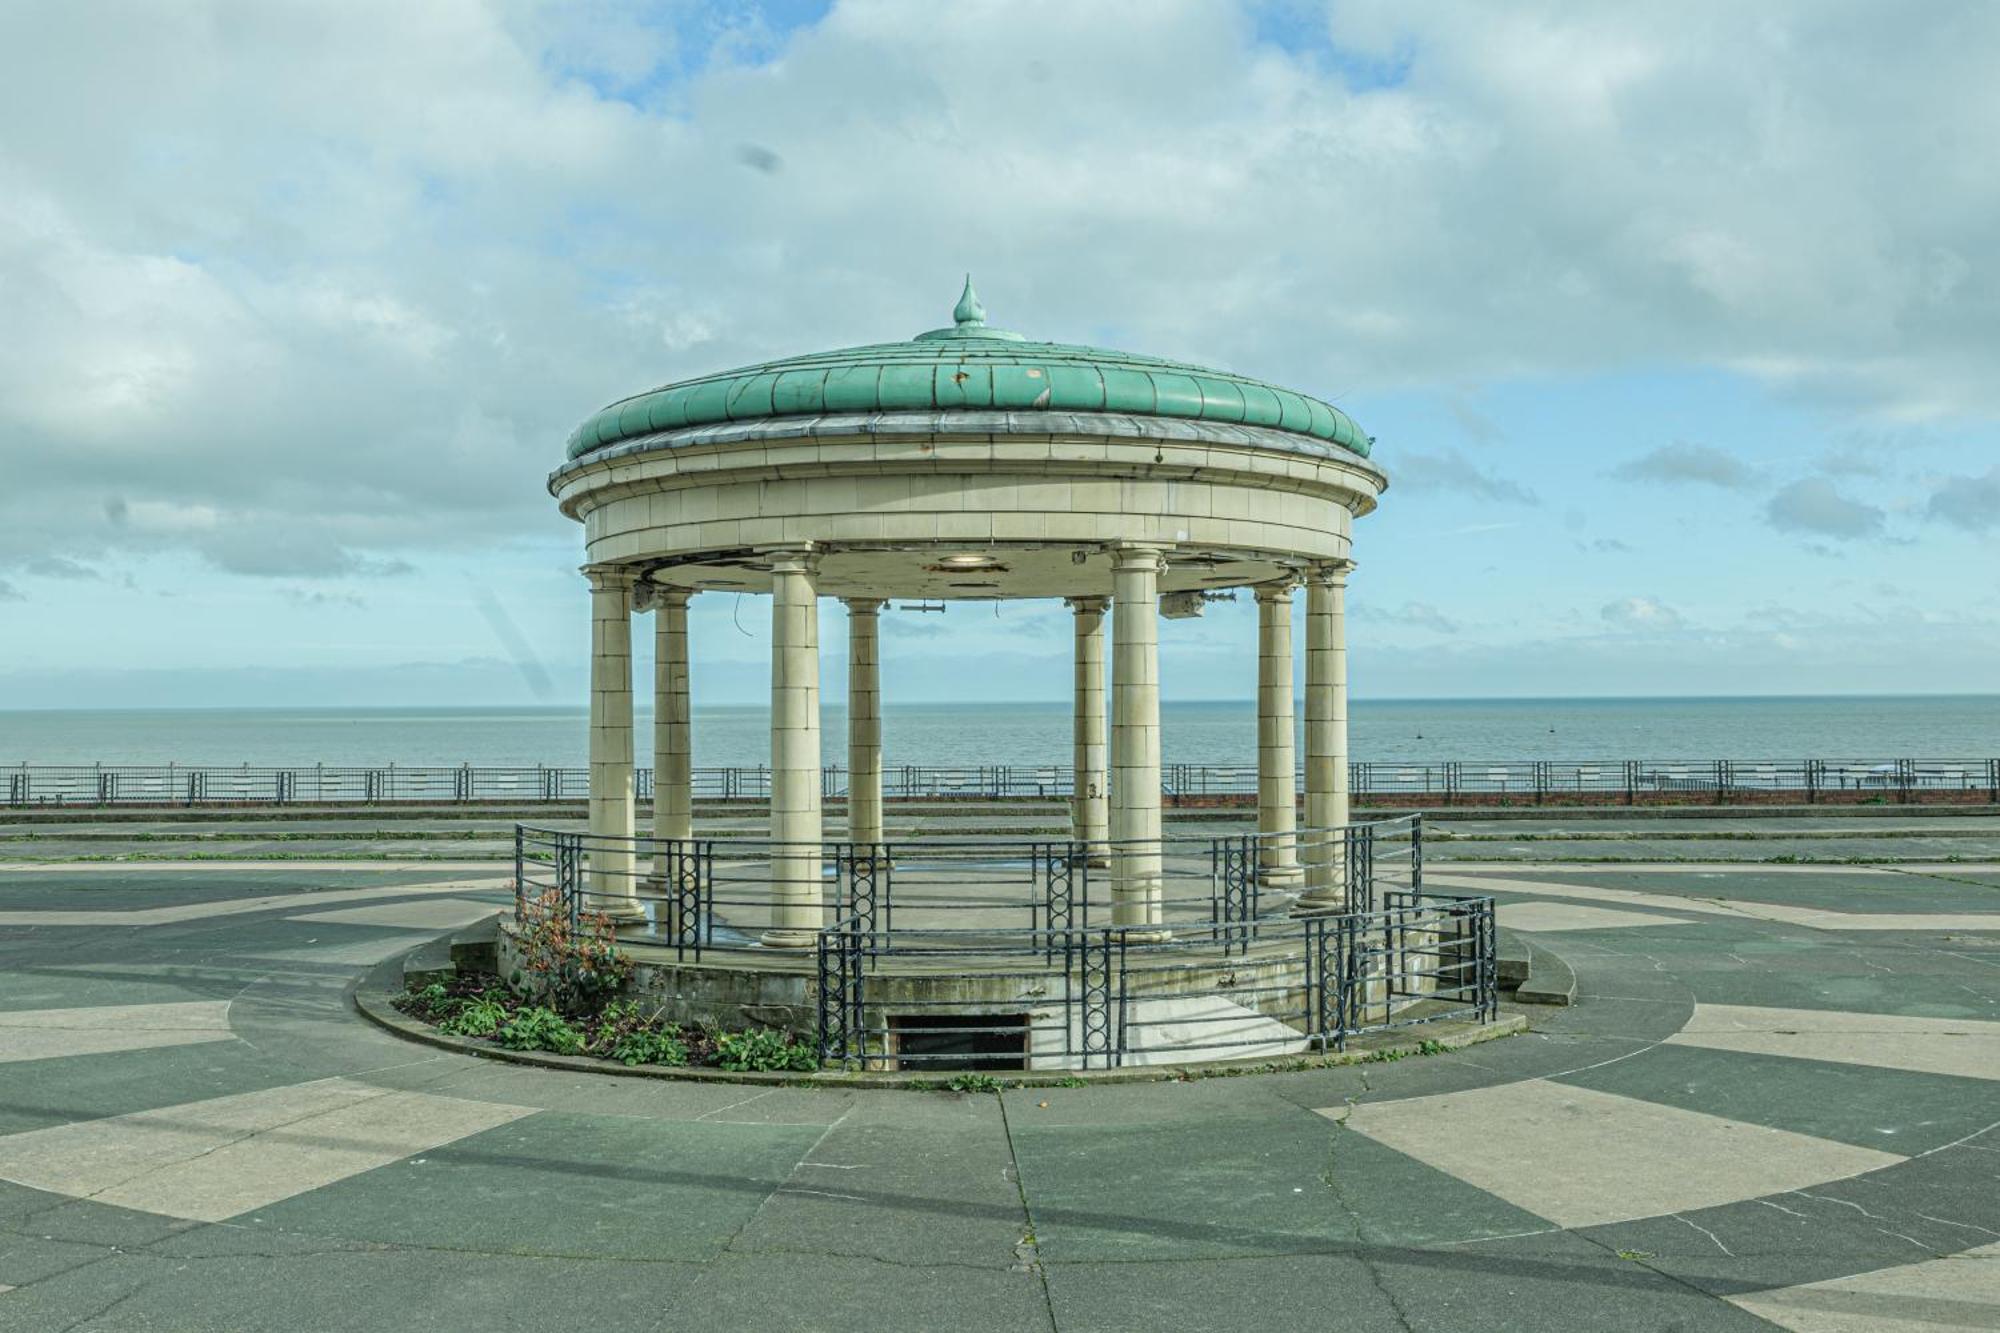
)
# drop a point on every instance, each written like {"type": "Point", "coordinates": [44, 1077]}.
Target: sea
{"type": "Point", "coordinates": [1032, 734]}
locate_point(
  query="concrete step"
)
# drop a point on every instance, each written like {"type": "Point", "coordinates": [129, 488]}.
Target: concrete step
{"type": "Point", "coordinates": [1530, 973]}
{"type": "Point", "coordinates": [429, 964]}
{"type": "Point", "coordinates": [477, 947]}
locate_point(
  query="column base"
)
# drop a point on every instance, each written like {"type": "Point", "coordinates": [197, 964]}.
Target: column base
{"type": "Point", "coordinates": [1280, 874]}
{"type": "Point", "coordinates": [788, 939]}
{"type": "Point", "coordinates": [624, 911]}
{"type": "Point", "coordinates": [1314, 902]}
{"type": "Point", "coordinates": [1147, 935]}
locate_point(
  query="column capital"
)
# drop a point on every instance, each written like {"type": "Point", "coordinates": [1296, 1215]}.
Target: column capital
{"type": "Point", "coordinates": [802, 558]}
{"type": "Point", "coordinates": [1139, 555]}
{"type": "Point", "coordinates": [864, 606]}
{"type": "Point", "coordinates": [603, 577]}
{"type": "Point", "coordinates": [1277, 590]}
{"type": "Point", "coordinates": [1087, 606]}
{"type": "Point", "coordinates": [659, 596]}
{"type": "Point", "coordinates": [1332, 571]}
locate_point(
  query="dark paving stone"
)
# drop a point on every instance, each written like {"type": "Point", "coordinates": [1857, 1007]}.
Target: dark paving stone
{"type": "Point", "coordinates": [1925, 1209]}
{"type": "Point", "coordinates": [1270, 1183]}
{"type": "Point", "coordinates": [1554, 1280]}
{"type": "Point", "coordinates": [920, 1184]}
{"type": "Point", "coordinates": [562, 1184]}
{"type": "Point", "coordinates": [822, 1292]}
{"type": "Point", "coordinates": [39, 1093]}
{"type": "Point", "coordinates": [349, 1292]}
{"type": "Point", "coordinates": [1888, 1110]}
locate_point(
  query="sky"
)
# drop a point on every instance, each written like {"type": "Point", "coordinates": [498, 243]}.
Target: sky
{"type": "Point", "coordinates": [1676, 324]}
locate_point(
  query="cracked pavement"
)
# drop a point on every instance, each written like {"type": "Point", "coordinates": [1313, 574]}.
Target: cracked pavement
{"type": "Point", "coordinates": [1776, 1104]}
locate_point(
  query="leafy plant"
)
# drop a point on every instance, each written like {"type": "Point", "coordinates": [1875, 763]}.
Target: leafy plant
{"type": "Point", "coordinates": [973, 1083]}
{"type": "Point", "coordinates": [540, 1028]}
{"type": "Point", "coordinates": [569, 967]}
{"type": "Point", "coordinates": [763, 1050]}
{"type": "Point", "coordinates": [627, 1034]}
{"type": "Point", "coordinates": [479, 1017]}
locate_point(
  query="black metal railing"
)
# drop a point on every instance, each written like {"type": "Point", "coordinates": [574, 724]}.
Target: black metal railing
{"type": "Point", "coordinates": [1450, 782]}
{"type": "Point", "coordinates": [1056, 953]}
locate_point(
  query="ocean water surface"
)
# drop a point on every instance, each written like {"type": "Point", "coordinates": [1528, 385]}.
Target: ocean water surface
{"type": "Point", "coordinates": [1027, 734]}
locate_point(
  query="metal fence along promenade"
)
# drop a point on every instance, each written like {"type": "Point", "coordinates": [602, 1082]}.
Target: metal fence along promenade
{"type": "Point", "coordinates": [1445, 783]}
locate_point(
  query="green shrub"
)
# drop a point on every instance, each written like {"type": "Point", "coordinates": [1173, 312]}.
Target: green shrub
{"type": "Point", "coordinates": [430, 998]}
{"type": "Point", "coordinates": [973, 1083]}
{"type": "Point", "coordinates": [762, 1050]}
{"type": "Point", "coordinates": [539, 1028]}
{"type": "Point", "coordinates": [479, 1017]}
{"type": "Point", "coordinates": [632, 1037]}
{"type": "Point", "coordinates": [648, 1048]}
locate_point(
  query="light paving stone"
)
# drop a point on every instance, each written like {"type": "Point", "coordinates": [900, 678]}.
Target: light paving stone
{"type": "Point", "coordinates": [42, 1034]}
{"type": "Point", "coordinates": [354, 951]}
{"type": "Point", "coordinates": [441, 914]}
{"type": "Point", "coordinates": [1581, 1158]}
{"type": "Point", "coordinates": [215, 1159]}
{"type": "Point", "coordinates": [165, 916]}
{"type": "Point", "coordinates": [1534, 916]}
{"type": "Point", "coordinates": [1969, 1048]}
{"type": "Point", "coordinates": [1811, 917]}
{"type": "Point", "coordinates": [1959, 1292]}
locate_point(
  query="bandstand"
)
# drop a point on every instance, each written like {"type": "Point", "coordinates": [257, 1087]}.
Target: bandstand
{"type": "Point", "coordinates": [971, 463]}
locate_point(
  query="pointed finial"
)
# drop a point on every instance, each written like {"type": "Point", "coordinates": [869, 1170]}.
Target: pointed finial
{"type": "Point", "coordinates": [968, 310]}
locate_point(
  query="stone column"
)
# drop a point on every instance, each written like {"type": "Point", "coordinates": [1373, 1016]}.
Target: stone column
{"type": "Point", "coordinates": [1277, 783]}
{"type": "Point", "coordinates": [1326, 734]}
{"type": "Point", "coordinates": [612, 887]}
{"type": "Point", "coordinates": [1089, 819]}
{"type": "Point", "coordinates": [796, 896]}
{"type": "Point", "coordinates": [864, 720]}
{"type": "Point", "coordinates": [1136, 891]}
{"type": "Point", "coordinates": [673, 755]}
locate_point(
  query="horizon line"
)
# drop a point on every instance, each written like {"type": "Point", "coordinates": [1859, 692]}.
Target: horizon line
{"type": "Point", "coordinates": [642, 701]}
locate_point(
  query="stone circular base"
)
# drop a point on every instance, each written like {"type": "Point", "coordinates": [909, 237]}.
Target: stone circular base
{"type": "Point", "coordinates": [372, 996]}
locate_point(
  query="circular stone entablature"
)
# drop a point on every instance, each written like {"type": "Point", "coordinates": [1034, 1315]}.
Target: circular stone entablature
{"type": "Point", "coordinates": [968, 462]}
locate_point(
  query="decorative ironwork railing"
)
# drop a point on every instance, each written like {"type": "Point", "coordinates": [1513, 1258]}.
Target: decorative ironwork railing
{"type": "Point", "coordinates": [1221, 963]}
{"type": "Point", "coordinates": [1438, 783]}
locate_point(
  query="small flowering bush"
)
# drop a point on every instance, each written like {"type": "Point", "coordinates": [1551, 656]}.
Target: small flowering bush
{"type": "Point", "coordinates": [571, 969]}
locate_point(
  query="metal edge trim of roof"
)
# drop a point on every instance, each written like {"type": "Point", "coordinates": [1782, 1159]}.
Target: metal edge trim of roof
{"type": "Point", "coordinates": [974, 422]}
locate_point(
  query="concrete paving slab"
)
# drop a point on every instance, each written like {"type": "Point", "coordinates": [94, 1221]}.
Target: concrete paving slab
{"type": "Point", "coordinates": [1544, 916]}
{"type": "Point", "coordinates": [215, 1159]}
{"type": "Point", "coordinates": [1885, 1110]}
{"type": "Point", "coordinates": [1275, 1182]}
{"type": "Point", "coordinates": [351, 1292]}
{"type": "Point", "coordinates": [441, 914]}
{"type": "Point", "coordinates": [46, 1034]}
{"type": "Point", "coordinates": [558, 1183]}
{"type": "Point", "coordinates": [51, 1093]}
{"type": "Point", "coordinates": [1961, 1047]}
{"type": "Point", "coordinates": [1580, 1157]}
{"type": "Point", "coordinates": [354, 952]}
{"type": "Point", "coordinates": [835, 1294]}
{"type": "Point", "coordinates": [1958, 1292]}
{"type": "Point", "coordinates": [935, 1196]}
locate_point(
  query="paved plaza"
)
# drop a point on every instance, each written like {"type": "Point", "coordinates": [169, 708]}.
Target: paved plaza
{"type": "Point", "coordinates": [1776, 1103]}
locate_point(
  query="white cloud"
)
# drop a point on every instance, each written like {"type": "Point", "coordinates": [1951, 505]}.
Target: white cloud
{"type": "Point", "coordinates": [1641, 613]}
{"type": "Point", "coordinates": [343, 277]}
{"type": "Point", "coordinates": [1684, 462]}
{"type": "Point", "coordinates": [1971, 503]}
{"type": "Point", "coordinates": [1814, 505]}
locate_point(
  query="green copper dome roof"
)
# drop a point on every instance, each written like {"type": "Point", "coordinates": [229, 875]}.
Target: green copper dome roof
{"type": "Point", "coordinates": [969, 366]}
